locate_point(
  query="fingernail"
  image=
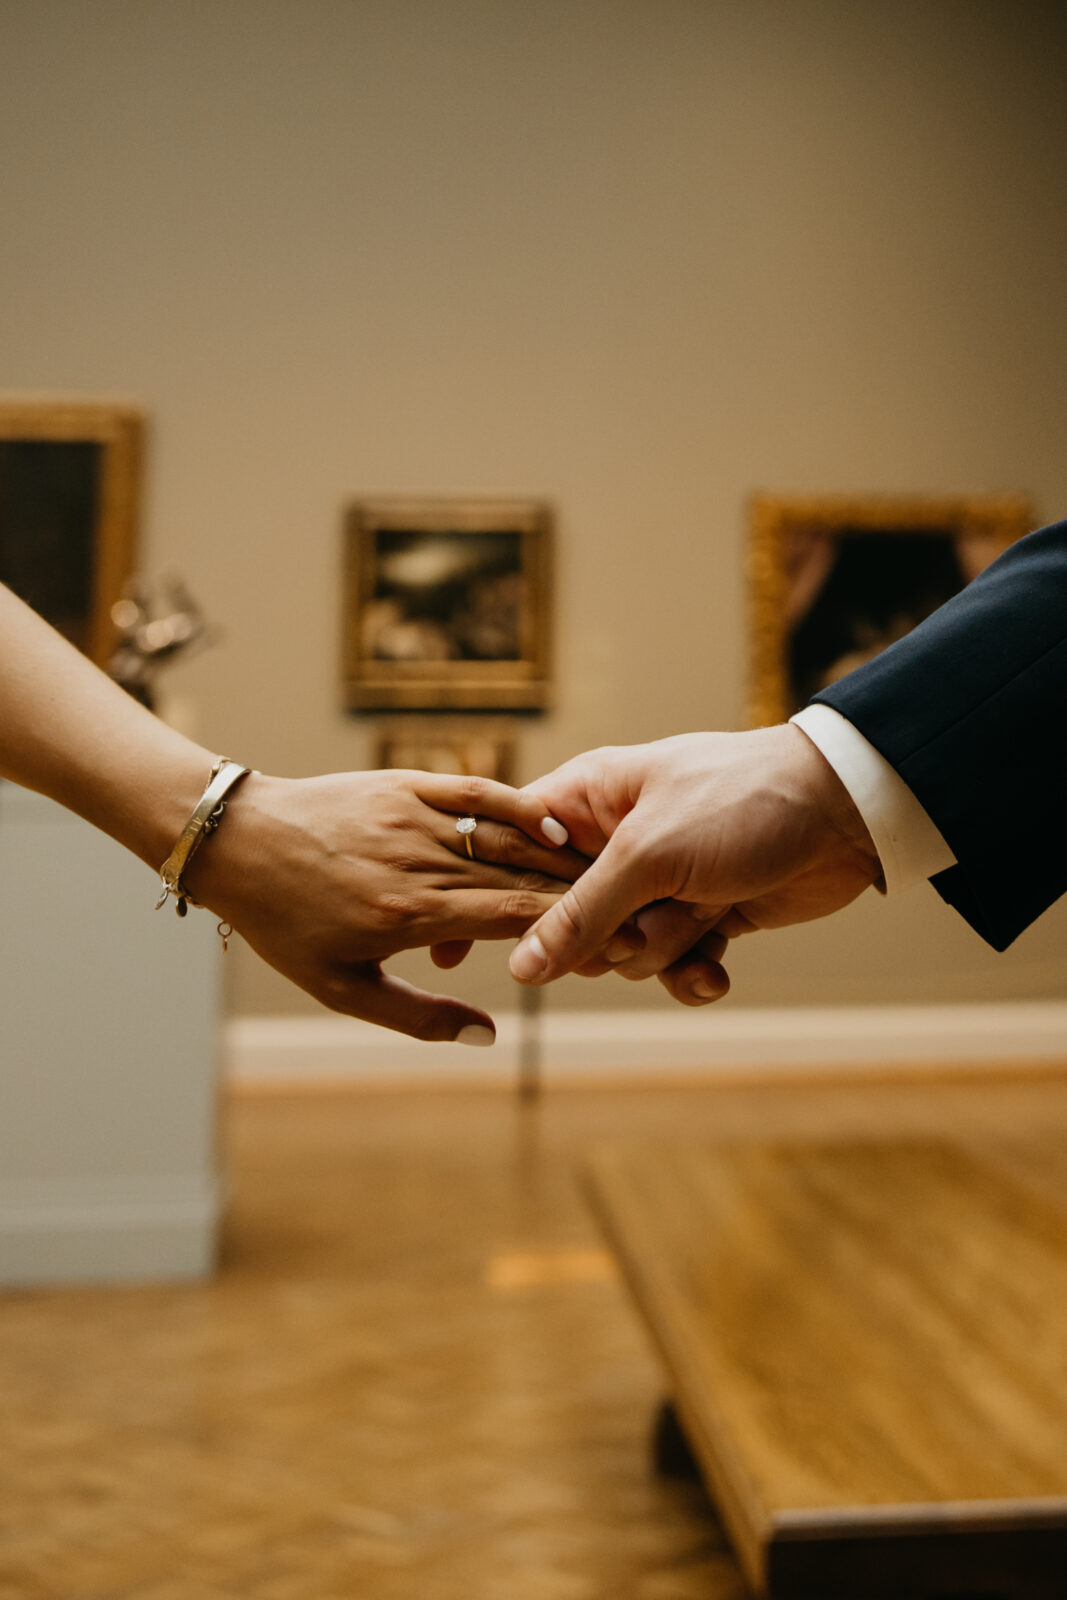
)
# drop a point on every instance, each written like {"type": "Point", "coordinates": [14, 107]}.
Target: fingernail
{"type": "Point", "coordinates": [554, 831]}
{"type": "Point", "coordinates": [703, 990]}
{"type": "Point", "coordinates": [528, 960]}
{"type": "Point", "coordinates": [476, 1033]}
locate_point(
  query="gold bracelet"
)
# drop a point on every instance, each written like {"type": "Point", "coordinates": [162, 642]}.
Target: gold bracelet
{"type": "Point", "coordinates": [206, 816]}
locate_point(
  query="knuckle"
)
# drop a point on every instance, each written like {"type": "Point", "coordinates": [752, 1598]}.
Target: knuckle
{"type": "Point", "coordinates": [570, 910]}
{"type": "Point", "coordinates": [396, 911]}
{"type": "Point", "coordinates": [472, 792]}
{"type": "Point", "coordinates": [509, 847]}
{"type": "Point", "coordinates": [522, 906]}
{"type": "Point", "coordinates": [518, 882]}
{"type": "Point", "coordinates": [538, 883]}
{"type": "Point", "coordinates": [404, 861]}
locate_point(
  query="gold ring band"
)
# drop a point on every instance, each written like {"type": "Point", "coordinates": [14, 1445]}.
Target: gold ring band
{"type": "Point", "coordinates": [466, 826]}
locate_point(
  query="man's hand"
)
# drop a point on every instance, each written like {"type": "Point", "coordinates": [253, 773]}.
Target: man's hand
{"type": "Point", "coordinates": [747, 830]}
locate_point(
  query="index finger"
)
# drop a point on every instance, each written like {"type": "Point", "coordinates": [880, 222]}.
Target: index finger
{"type": "Point", "coordinates": [364, 990]}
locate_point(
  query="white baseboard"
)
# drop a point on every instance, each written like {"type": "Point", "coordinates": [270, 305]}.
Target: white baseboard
{"type": "Point", "coordinates": [107, 1230]}
{"type": "Point", "coordinates": [576, 1047]}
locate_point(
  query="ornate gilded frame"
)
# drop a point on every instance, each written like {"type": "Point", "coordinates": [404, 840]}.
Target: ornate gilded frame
{"type": "Point", "coordinates": [518, 682]}
{"type": "Point", "coordinates": [981, 525]}
{"type": "Point", "coordinates": [476, 746]}
{"type": "Point", "coordinates": [113, 523]}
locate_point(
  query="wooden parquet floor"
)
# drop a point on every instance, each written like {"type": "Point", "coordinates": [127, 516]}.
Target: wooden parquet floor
{"type": "Point", "coordinates": [416, 1374]}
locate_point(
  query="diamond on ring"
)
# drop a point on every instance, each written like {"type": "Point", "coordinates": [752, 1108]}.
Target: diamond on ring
{"type": "Point", "coordinates": [466, 826]}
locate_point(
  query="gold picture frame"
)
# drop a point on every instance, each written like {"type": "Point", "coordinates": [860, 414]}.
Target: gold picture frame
{"type": "Point", "coordinates": [834, 579]}
{"type": "Point", "coordinates": [475, 747]}
{"type": "Point", "coordinates": [447, 604]}
{"type": "Point", "coordinates": [70, 494]}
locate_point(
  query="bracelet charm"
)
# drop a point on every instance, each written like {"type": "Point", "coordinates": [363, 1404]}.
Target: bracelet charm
{"type": "Point", "coordinates": [205, 818]}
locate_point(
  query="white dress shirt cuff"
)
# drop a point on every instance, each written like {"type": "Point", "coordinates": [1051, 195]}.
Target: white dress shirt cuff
{"type": "Point", "coordinates": [909, 845]}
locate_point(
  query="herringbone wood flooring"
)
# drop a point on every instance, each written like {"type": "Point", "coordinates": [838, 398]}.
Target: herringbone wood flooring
{"type": "Point", "coordinates": [415, 1375]}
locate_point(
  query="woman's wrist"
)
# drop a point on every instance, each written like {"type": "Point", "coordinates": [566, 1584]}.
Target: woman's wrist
{"type": "Point", "coordinates": [228, 859]}
{"type": "Point", "coordinates": [69, 732]}
{"type": "Point", "coordinates": [146, 799]}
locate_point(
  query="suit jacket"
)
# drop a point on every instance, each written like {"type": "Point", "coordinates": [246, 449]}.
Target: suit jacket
{"type": "Point", "coordinates": [971, 710]}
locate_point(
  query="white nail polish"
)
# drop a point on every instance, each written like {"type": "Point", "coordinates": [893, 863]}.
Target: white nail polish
{"type": "Point", "coordinates": [476, 1033]}
{"type": "Point", "coordinates": [554, 831]}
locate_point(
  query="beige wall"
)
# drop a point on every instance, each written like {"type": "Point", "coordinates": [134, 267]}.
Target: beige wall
{"type": "Point", "coordinates": [638, 256]}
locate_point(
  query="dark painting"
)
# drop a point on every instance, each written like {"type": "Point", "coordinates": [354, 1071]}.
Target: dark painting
{"type": "Point", "coordinates": [447, 604]}
{"type": "Point", "coordinates": [836, 579]}
{"type": "Point", "coordinates": [875, 586]}
{"type": "Point", "coordinates": [445, 596]}
{"type": "Point", "coordinates": [49, 512]}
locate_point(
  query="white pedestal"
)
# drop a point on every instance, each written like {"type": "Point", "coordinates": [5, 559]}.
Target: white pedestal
{"type": "Point", "coordinates": [109, 1039]}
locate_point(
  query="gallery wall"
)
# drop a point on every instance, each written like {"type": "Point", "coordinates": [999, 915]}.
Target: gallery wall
{"type": "Point", "coordinates": [639, 257]}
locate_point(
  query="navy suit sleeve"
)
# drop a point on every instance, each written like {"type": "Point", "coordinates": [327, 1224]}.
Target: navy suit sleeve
{"type": "Point", "coordinates": [971, 710]}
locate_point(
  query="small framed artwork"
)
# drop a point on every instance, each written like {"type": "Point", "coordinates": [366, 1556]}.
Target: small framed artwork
{"type": "Point", "coordinates": [70, 485]}
{"type": "Point", "coordinates": [475, 747]}
{"type": "Point", "coordinates": [447, 605]}
{"type": "Point", "coordinates": [833, 580]}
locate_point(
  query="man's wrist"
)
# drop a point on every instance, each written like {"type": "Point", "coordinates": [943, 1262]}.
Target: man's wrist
{"type": "Point", "coordinates": [826, 797]}
{"type": "Point", "coordinates": [910, 847]}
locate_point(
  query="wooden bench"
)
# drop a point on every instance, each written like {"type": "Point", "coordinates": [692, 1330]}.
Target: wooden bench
{"type": "Point", "coordinates": [866, 1344]}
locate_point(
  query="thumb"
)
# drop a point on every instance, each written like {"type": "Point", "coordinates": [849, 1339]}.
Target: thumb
{"type": "Point", "coordinates": [581, 923]}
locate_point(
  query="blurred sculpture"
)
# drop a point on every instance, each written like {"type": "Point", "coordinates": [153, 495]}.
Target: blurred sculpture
{"type": "Point", "coordinates": [153, 630]}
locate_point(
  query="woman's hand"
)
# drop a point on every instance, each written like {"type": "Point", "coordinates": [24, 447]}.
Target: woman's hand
{"type": "Point", "coordinates": [326, 877]}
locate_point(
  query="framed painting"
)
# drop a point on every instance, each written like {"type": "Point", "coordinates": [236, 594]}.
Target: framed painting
{"type": "Point", "coordinates": [70, 486]}
{"type": "Point", "coordinates": [472, 747]}
{"type": "Point", "coordinates": [447, 605]}
{"type": "Point", "coordinates": [834, 579]}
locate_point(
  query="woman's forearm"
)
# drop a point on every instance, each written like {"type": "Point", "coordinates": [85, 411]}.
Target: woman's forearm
{"type": "Point", "coordinates": [324, 877]}
{"type": "Point", "coordinates": [69, 732]}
